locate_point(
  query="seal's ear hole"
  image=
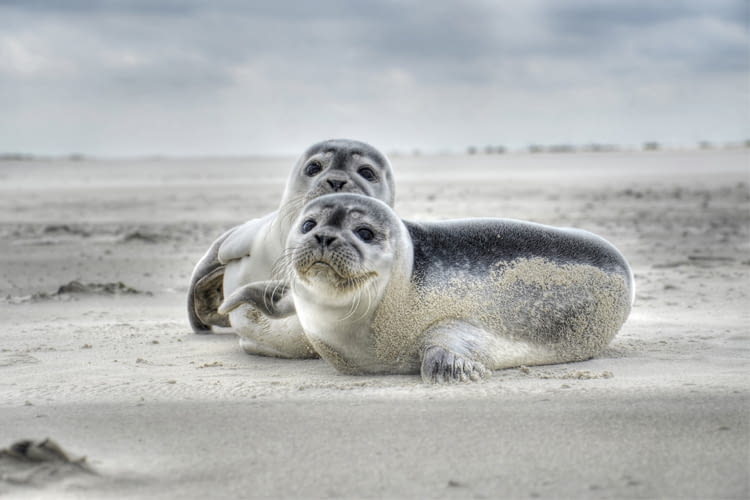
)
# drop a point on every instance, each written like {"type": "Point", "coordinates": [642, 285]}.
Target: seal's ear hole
{"type": "Point", "coordinates": [364, 234]}
{"type": "Point", "coordinates": [368, 174]}
{"type": "Point", "coordinates": [308, 225]}
{"type": "Point", "coordinates": [313, 168]}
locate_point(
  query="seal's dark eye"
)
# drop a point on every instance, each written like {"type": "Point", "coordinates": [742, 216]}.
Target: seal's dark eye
{"type": "Point", "coordinates": [364, 234]}
{"type": "Point", "coordinates": [308, 225]}
{"type": "Point", "coordinates": [313, 168]}
{"type": "Point", "coordinates": [367, 174]}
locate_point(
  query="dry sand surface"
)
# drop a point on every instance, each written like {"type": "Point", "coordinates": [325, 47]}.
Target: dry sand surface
{"type": "Point", "coordinates": [97, 355]}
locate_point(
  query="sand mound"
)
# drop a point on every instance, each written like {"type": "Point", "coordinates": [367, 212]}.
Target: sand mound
{"type": "Point", "coordinates": [143, 236]}
{"type": "Point", "coordinates": [39, 463]}
{"type": "Point", "coordinates": [75, 288]}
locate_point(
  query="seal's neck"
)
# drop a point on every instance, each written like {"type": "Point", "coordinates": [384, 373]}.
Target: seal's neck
{"type": "Point", "coordinates": [339, 326]}
{"type": "Point", "coordinates": [339, 333]}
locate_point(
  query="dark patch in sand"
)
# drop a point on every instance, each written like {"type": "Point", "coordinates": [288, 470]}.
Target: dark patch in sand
{"type": "Point", "coordinates": [39, 463]}
{"type": "Point", "coordinates": [48, 234]}
{"type": "Point", "coordinates": [73, 289]}
{"type": "Point", "coordinates": [709, 258]}
{"type": "Point", "coordinates": [118, 288]}
{"type": "Point", "coordinates": [36, 234]}
{"type": "Point", "coordinates": [59, 229]}
{"type": "Point", "coordinates": [703, 261]}
{"type": "Point", "coordinates": [568, 375]}
{"type": "Point", "coordinates": [19, 358]}
{"type": "Point", "coordinates": [143, 236]}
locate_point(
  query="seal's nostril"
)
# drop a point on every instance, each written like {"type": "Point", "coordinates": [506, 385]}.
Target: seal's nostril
{"type": "Point", "coordinates": [324, 239]}
{"type": "Point", "coordinates": [336, 184]}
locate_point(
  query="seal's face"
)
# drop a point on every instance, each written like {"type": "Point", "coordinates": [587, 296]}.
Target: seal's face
{"type": "Point", "coordinates": [340, 166]}
{"type": "Point", "coordinates": [342, 244]}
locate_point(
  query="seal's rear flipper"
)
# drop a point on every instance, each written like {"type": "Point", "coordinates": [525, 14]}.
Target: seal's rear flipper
{"type": "Point", "coordinates": [208, 294]}
{"type": "Point", "coordinates": [273, 298]}
{"type": "Point", "coordinates": [203, 295]}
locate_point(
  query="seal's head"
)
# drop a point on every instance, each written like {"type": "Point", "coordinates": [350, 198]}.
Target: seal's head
{"type": "Point", "coordinates": [343, 245]}
{"type": "Point", "coordinates": [339, 166]}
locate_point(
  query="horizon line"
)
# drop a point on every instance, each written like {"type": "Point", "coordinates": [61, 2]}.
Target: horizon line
{"type": "Point", "coordinates": [487, 150]}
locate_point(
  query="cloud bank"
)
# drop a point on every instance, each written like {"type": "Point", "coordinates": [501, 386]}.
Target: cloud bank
{"type": "Point", "coordinates": [234, 77]}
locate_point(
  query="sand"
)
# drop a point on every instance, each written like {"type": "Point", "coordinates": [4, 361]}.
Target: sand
{"type": "Point", "coordinates": [96, 352]}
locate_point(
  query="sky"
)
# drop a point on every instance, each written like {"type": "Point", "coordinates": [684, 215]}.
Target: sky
{"type": "Point", "coordinates": [234, 77]}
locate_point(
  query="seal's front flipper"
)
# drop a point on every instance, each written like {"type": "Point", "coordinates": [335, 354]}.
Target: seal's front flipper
{"type": "Point", "coordinates": [453, 352]}
{"type": "Point", "coordinates": [208, 294]}
{"type": "Point", "coordinates": [440, 366]}
{"type": "Point", "coordinates": [273, 298]}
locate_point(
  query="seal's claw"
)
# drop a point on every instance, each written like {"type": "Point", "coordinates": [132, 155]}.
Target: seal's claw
{"type": "Point", "coordinates": [440, 366]}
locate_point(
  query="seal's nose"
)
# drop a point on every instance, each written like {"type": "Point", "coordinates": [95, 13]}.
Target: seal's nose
{"type": "Point", "coordinates": [336, 184]}
{"type": "Point", "coordinates": [325, 240]}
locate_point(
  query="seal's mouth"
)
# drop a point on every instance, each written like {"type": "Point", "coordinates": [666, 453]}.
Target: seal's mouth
{"type": "Point", "coordinates": [324, 271]}
{"type": "Point", "coordinates": [321, 266]}
{"type": "Point", "coordinates": [325, 188]}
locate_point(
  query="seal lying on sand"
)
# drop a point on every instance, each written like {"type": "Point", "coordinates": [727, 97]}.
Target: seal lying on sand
{"type": "Point", "coordinates": [450, 300]}
{"type": "Point", "coordinates": [247, 253]}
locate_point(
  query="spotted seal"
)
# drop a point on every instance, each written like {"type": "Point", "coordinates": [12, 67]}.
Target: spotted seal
{"type": "Point", "coordinates": [247, 253]}
{"type": "Point", "coordinates": [451, 300]}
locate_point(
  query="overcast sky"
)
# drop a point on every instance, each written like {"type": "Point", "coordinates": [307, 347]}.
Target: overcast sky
{"type": "Point", "coordinates": [231, 77]}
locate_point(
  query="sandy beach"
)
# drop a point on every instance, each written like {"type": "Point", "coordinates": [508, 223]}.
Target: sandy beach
{"type": "Point", "coordinates": [96, 352]}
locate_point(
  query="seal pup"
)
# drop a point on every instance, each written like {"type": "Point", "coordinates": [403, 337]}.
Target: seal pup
{"type": "Point", "coordinates": [451, 300]}
{"type": "Point", "coordinates": [247, 253]}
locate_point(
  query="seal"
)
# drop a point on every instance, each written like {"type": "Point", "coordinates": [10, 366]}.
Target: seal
{"type": "Point", "coordinates": [247, 253]}
{"type": "Point", "coordinates": [451, 300]}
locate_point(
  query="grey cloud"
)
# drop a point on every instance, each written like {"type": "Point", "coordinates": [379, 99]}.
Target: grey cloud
{"type": "Point", "coordinates": [393, 33]}
{"type": "Point", "coordinates": [77, 7]}
{"type": "Point", "coordinates": [445, 41]}
{"type": "Point", "coordinates": [594, 19]}
{"type": "Point", "coordinates": [683, 30]}
{"type": "Point", "coordinates": [600, 17]}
